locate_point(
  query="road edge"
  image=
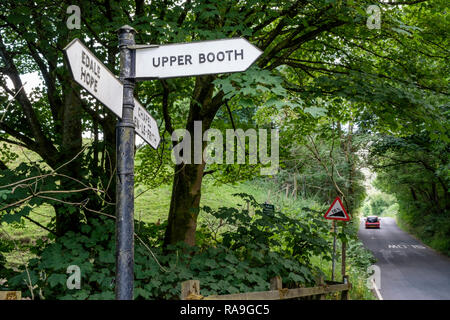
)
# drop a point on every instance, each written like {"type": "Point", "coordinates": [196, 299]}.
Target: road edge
{"type": "Point", "coordinates": [420, 240]}
{"type": "Point", "coordinates": [376, 291]}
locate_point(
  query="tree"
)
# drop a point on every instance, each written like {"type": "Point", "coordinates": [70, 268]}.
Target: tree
{"type": "Point", "coordinates": [52, 122]}
{"type": "Point", "coordinates": [314, 52]}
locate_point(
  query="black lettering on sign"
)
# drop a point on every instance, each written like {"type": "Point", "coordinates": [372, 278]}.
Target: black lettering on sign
{"type": "Point", "coordinates": [220, 56]}
{"type": "Point", "coordinates": [90, 74]}
{"type": "Point", "coordinates": [229, 54]}
{"type": "Point", "coordinates": [236, 54]}
{"type": "Point", "coordinates": [172, 61]}
{"type": "Point", "coordinates": [201, 58]}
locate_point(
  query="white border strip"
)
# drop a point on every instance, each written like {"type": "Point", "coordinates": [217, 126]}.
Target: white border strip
{"type": "Point", "coordinates": [375, 288]}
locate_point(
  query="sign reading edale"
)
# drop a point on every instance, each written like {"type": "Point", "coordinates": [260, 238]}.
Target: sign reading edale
{"type": "Point", "coordinates": [92, 75]}
{"type": "Point", "coordinates": [195, 58]}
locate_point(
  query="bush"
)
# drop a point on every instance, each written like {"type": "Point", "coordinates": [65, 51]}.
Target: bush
{"type": "Point", "coordinates": [241, 258]}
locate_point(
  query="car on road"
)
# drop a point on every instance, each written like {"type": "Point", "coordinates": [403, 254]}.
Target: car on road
{"type": "Point", "coordinates": [373, 222]}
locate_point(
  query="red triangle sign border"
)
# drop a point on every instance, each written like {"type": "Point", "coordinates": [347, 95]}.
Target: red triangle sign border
{"type": "Point", "coordinates": [336, 218]}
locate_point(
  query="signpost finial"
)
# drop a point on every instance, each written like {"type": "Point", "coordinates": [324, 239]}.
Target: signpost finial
{"type": "Point", "coordinates": [126, 28]}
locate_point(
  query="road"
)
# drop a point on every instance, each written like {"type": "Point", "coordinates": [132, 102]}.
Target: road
{"type": "Point", "coordinates": [409, 269]}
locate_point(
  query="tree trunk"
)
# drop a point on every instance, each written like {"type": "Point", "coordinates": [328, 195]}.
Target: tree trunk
{"type": "Point", "coordinates": [351, 168]}
{"type": "Point", "coordinates": [68, 216]}
{"type": "Point", "coordinates": [3, 166]}
{"type": "Point", "coordinates": [187, 182]}
{"type": "Point", "coordinates": [109, 159]}
{"type": "Point", "coordinates": [184, 204]}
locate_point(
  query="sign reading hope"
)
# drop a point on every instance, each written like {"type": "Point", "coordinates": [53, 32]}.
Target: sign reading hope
{"type": "Point", "coordinates": [90, 71]}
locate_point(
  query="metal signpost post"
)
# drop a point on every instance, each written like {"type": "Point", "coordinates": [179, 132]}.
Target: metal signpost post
{"type": "Point", "coordinates": [141, 62]}
{"type": "Point", "coordinates": [88, 71]}
{"type": "Point", "coordinates": [125, 173]}
{"type": "Point", "coordinates": [334, 251]}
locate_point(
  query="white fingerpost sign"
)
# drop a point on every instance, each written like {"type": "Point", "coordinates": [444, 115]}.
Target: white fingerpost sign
{"type": "Point", "coordinates": [194, 58]}
{"type": "Point", "coordinates": [92, 75]}
{"type": "Point", "coordinates": [145, 126]}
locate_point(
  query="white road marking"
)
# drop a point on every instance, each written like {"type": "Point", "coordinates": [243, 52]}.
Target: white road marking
{"type": "Point", "coordinates": [405, 246]}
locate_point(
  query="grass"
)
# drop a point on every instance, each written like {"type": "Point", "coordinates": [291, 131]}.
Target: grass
{"type": "Point", "coordinates": [23, 236]}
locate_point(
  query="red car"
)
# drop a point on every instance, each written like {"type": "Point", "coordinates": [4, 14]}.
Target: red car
{"type": "Point", "coordinates": [373, 222]}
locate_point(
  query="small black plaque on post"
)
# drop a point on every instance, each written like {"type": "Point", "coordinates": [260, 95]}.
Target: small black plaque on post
{"type": "Point", "coordinates": [268, 208]}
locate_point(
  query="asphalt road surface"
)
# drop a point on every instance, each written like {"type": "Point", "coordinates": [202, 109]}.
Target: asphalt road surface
{"type": "Point", "coordinates": [409, 269]}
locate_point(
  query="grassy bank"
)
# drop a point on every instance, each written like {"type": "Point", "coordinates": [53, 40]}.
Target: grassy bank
{"type": "Point", "coordinates": [434, 232]}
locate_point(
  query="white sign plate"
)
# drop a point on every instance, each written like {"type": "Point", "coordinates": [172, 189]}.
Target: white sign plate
{"type": "Point", "coordinates": [145, 126]}
{"type": "Point", "coordinates": [195, 58]}
{"type": "Point", "coordinates": [92, 75]}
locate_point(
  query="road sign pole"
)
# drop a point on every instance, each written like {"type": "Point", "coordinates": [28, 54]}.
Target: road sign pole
{"type": "Point", "coordinates": [125, 172]}
{"type": "Point", "coordinates": [334, 250]}
{"type": "Point", "coordinates": [344, 257]}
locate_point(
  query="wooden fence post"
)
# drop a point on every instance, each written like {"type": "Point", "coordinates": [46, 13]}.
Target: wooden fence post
{"type": "Point", "coordinates": [343, 260]}
{"type": "Point", "coordinates": [344, 294]}
{"type": "Point", "coordinates": [294, 191]}
{"type": "Point", "coordinates": [276, 283]}
{"type": "Point", "coordinates": [10, 295]}
{"type": "Point", "coordinates": [190, 288]}
{"type": "Point", "coordinates": [320, 282]}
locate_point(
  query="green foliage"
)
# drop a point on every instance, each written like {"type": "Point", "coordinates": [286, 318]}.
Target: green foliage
{"type": "Point", "coordinates": [241, 258]}
{"type": "Point", "coordinates": [414, 168]}
{"type": "Point", "coordinates": [298, 237]}
{"type": "Point", "coordinates": [358, 256]}
{"type": "Point", "coordinates": [380, 204]}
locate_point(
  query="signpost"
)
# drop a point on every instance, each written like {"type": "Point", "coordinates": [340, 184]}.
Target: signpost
{"type": "Point", "coordinates": [336, 212]}
{"type": "Point", "coordinates": [141, 62]}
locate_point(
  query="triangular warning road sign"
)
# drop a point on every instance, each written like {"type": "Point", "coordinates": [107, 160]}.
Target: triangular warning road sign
{"type": "Point", "coordinates": [337, 211]}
